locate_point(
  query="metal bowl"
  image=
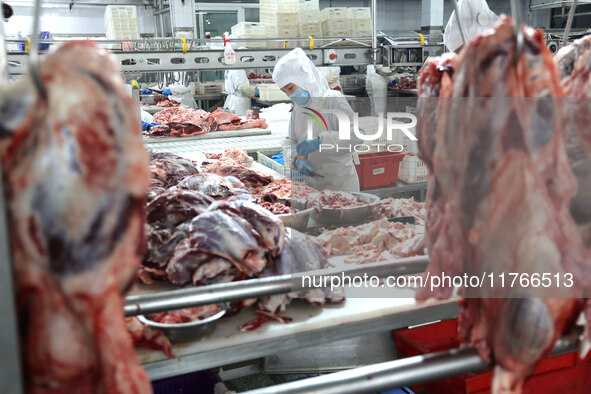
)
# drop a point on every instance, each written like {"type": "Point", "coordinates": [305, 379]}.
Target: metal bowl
{"type": "Point", "coordinates": [185, 332]}
{"type": "Point", "coordinates": [298, 220]}
{"type": "Point", "coordinates": [151, 99]}
{"type": "Point", "coordinates": [350, 215]}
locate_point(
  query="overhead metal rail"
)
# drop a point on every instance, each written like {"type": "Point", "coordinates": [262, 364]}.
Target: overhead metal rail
{"type": "Point", "coordinates": [156, 61]}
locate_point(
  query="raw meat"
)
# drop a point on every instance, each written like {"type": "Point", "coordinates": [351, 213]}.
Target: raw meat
{"type": "Point", "coordinates": [574, 65]}
{"type": "Point", "coordinates": [396, 207]}
{"type": "Point", "coordinates": [213, 185]}
{"type": "Point", "coordinates": [76, 179]}
{"type": "Point", "coordinates": [500, 193]}
{"type": "Point", "coordinates": [185, 315]}
{"type": "Point", "coordinates": [301, 253]}
{"type": "Point", "coordinates": [144, 336]}
{"type": "Point", "coordinates": [375, 241]}
{"type": "Point", "coordinates": [279, 187]}
{"type": "Point", "coordinates": [248, 177]}
{"type": "Point", "coordinates": [185, 122]}
{"type": "Point", "coordinates": [180, 115]}
{"type": "Point", "coordinates": [332, 199]}
{"type": "Point", "coordinates": [168, 168]}
{"type": "Point", "coordinates": [240, 232]}
{"type": "Point", "coordinates": [167, 103]}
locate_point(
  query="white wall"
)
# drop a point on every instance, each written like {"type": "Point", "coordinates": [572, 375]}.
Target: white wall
{"type": "Point", "coordinates": [81, 20]}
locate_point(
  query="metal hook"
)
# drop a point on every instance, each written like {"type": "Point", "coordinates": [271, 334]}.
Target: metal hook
{"type": "Point", "coordinates": [569, 22]}
{"type": "Point", "coordinates": [516, 12]}
{"type": "Point", "coordinates": [34, 52]}
{"type": "Point", "coordinates": [457, 12]}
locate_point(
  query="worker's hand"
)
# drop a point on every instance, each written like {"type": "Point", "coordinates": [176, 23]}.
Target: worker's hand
{"type": "Point", "coordinates": [305, 147]}
{"type": "Point", "coordinates": [304, 167]}
{"type": "Point", "coordinates": [166, 92]}
{"type": "Point", "coordinates": [146, 91]}
{"type": "Point", "coordinates": [147, 126]}
{"type": "Point", "coordinates": [256, 92]}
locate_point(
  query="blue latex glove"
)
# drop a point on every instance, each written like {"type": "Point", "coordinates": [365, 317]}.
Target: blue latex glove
{"type": "Point", "coordinates": [305, 147]}
{"type": "Point", "coordinates": [166, 92]}
{"type": "Point", "coordinates": [146, 91]}
{"type": "Point", "coordinates": [256, 93]}
{"type": "Point", "coordinates": [146, 126]}
{"type": "Point", "coordinates": [305, 168]}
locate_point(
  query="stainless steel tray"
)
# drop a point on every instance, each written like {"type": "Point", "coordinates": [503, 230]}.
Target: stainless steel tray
{"type": "Point", "coordinates": [347, 216]}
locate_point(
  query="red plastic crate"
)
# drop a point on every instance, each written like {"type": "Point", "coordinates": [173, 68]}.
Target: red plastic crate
{"type": "Point", "coordinates": [558, 374]}
{"type": "Point", "coordinates": [377, 170]}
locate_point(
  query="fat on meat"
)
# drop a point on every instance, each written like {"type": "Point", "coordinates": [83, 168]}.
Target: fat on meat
{"type": "Point", "coordinates": [499, 194]}
{"type": "Point", "coordinates": [76, 177]}
{"type": "Point", "coordinates": [212, 185]}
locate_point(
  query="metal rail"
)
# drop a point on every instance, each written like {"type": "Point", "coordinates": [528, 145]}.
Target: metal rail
{"type": "Point", "coordinates": [569, 23]}
{"type": "Point", "coordinates": [254, 288]}
{"type": "Point", "coordinates": [156, 61]}
{"type": "Point", "coordinates": [405, 372]}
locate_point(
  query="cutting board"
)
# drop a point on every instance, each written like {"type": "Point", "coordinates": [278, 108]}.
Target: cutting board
{"type": "Point", "coordinates": [214, 134]}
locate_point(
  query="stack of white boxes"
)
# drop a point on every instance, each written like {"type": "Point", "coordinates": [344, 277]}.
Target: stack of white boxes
{"type": "Point", "coordinates": [310, 25]}
{"type": "Point", "coordinates": [121, 22]}
{"type": "Point", "coordinates": [335, 22]}
{"type": "Point", "coordinates": [360, 21]}
{"type": "Point", "coordinates": [281, 20]}
{"type": "Point", "coordinates": [249, 30]}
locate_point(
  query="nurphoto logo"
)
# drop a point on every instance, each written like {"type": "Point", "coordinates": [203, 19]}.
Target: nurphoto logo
{"type": "Point", "coordinates": [394, 124]}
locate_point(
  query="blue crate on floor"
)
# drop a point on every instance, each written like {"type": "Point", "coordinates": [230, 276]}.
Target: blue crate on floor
{"type": "Point", "coordinates": [201, 382]}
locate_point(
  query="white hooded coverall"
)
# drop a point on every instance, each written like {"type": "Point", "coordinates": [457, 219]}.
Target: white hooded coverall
{"type": "Point", "coordinates": [376, 87]}
{"type": "Point", "coordinates": [239, 92]}
{"type": "Point", "coordinates": [475, 16]}
{"type": "Point", "coordinates": [336, 167]}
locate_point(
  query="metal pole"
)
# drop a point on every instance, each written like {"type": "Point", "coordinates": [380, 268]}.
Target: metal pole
{"type": "Point", "coordinates": [398, 373]}
{"type": "Point", "coordinates": [10, 373]}
{"type": "Point", "coordinates": [254, 288]}
{"type": "Point", "coordinates": [374, 34]}
{"type": "Point", "coordinates": [569, 22]}
{"type": "Point", "coordinates": [457, 12]}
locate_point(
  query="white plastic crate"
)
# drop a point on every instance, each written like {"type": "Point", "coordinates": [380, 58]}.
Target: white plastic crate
{"type": "Point", "coordinates": [313, 29]}
{"type": "Point", "coordinates": [360, 27]}
{"type": "Point", "coordinates": [271, 92]}
{"type": "Point", "coordinates": [336, 28]}
{"type": "Point", "coordinates": [209, 87]}
{"type": "Point", "coordinates": [308, 16]}
{"type": "Point", "coordinates": [285, 6]}
{"type": "Point", "coordinates": [309, 5]}
{"type": "Point", "coordinates": [412, 170]}
{"type": "Point", "coordinates": [334, 13]}
{"type": "Point", "coordinates": [250, 30]}
{"type": "Point", "coordinates": [264, 159]}
{"type": "Point", "coordinates": [283, 31]}
{"type": "Point", "coordinates": [120, 12]}
{"type": "Point", "coordinates": [275, 19]}
{"type": "Point", "coordinates": [359, 12]}
{"type": "Point", "coordinates": [121, 23]}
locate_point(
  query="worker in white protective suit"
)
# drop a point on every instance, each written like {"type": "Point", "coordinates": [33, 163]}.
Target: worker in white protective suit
{"type": "Point", "coordinates": [475, 17]}
{"type": "Point", "coordinates": [377, 90]}
{"type": "Point", "coordinates": [239, 92]}
{"type": "Point", "coordinates": [325, 160]}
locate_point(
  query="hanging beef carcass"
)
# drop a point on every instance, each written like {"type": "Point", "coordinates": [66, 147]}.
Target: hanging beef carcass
{"type": "Point", "coordinates": [76, 179]}
{"type": "Point", "coordinates": [500, 191]}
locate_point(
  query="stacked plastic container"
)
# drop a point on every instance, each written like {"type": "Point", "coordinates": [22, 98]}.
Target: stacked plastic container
{"type": "Point", "coordinates": [281, 20]}
{"type": "Point", "coordinates": [310, 24]}
{"type": "Point", "coordinates": [249, 30]}
{"type": "Point", "coordinates": [360, 20]}
{"type": "Point", "coordinates": [335, 22]}
{"type": "Point", "coordinates": [121, 22]}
